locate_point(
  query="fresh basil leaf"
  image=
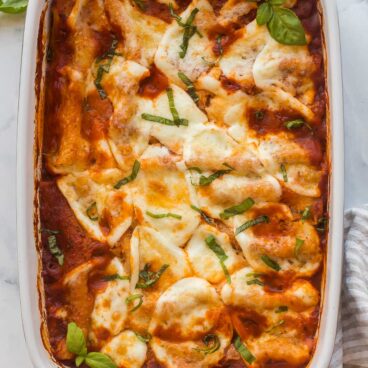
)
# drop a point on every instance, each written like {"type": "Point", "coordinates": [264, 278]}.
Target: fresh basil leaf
{"type": "Point", "coordinates": [220, 253]}
{"type": "Point", "coordinates": [298, 244]}
{"type": "Point", "coordinates": [286, 28]}
{"type": "Point", "coordinates": [174, 112]}
{"type": "Point", "coordinates": [250, 223]}
{"type": "Point", "coordinates": [264, 13]}
{"type": "Point", "coordinates": [189, 32]}
{"type": "Point", "coordinates": [243, 351]}
{"type": "Point", "coordinates": [206, 218]}
{"type": "Point", "coordinates": [284, 173]}
{"type": "Point", "coordinates": [132, 298]}
{"type": "Point", "coordinates": [115, 277]}
{"type": "Point", "coordinates": [75, 341]}
{"type": "Point", "coordinates": [162, 215]}
{"type": "Point", "coordinates": [150, 277]}
{"type": "Point", "coordinates": [306, 214]}
{"type": "Point", "coordinates": [207, 180]}
{"type": "Point", "coordinates": [191, 90]}
{"type": "Point", "coordinates": [255, 282]}
{"type": "Point", "coordinates": [158, 119]}
{"type": "Point", "coordinates": [99, 360]}
{"type": "Point", "coordinates": [79, 360]}
{"type": "Point", "coordinates": [294, 124]}
{"type": "Point", "coordinates": [196, 169]}
{"type": "Point", "coordinates": [212, 343]}
{"type": "Point", "coordinates": [282, 309]}
{"type": "Point", "coordinates": [270, 263]}
{"type": "Point", "coordinates": [237, 210]}
{"type": "Point", "coordinates": [131, 177]}
{"type": "Point", "coordinates": [92, 212]}
{"type": "Point", "coordinates": [219, 44]}
{"type": "Point", "coordinates": [141, 5]}
{"type": "Point", "coordinates": [276, 2]}
{"type": "Point", "coordinates": [55, 250]}
{"type": "Point", "coordinates": [142, 338]}
{"type": "Point", "coordinates": [13, 6]}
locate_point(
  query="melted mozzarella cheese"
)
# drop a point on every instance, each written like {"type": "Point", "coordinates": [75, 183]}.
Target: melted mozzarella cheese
{"type": "Point", "coordinates": [171, 136]}
{"type": "Point", "coordinates": [186, 312]}
{"type": "Point", "coordinates": [110, 309]}
{"type": "Point", "coordinates": [104, 212]}
{"type": "Point", "coordinates": [233, 10]}
{"type": "Point", "coordinates": [277, 239]}
{"type": "Point", "coordinates": [278, 150]}
{"type": "Point", "coordinates": [161, 189]}
{"type": "Point", "coordinates": [141, 32]}
{"type": "Point", "coordinates": [126, 350]}
{"type": "Point", "coordinates": [192, 64]}
{"type": "Point", "coordinates": [204, 261]}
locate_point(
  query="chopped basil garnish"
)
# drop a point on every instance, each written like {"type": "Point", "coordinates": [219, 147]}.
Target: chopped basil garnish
{"type": "Point", "coordinates": [271, 263]}
{"type": "Point", "coordinates": [237, 210]}
{"type": "Point", "coordinates": [13, 6]}
{"type": "Point", "coordinates": [283, 24]}
{"type": "Point", "coordinates": [255, 282]}
{"type": "Point", "coordinates": [194, 168]}
{"type": "Point", "coordinates": [282, 309]}
{"type": "Point", "coordinates": [131, 177]}
{"type": "Point", "coordinates": [321, 225]}
{"type": "Point", "coordinates": [189, 29]}
{"type": "Point", "coordinates": [253, 222]}
{"type": "Point", "coordinates": [54, 249]}
{"type": "Point", "coordinates": [177, 121]}
{"type": "Point", "coordinates": [259, 114]}
{"type": "Point", "coordinates": [284, 173]}
{"type": "Point", "coordinates": [105, 67]}
{"type": "Point", "coordinates": [294, 124]}
{"type": "Point", "coordinates": [244, 351]}
{"type": "Point", "coordinates": [298, 244]}
{"type": "Point", "coordinates": [207, 180]}
{"type": "Point", "coordinates": [191, 90]}
{"type": "Point", "coordinates": [203, 214]}
{"type": "Point", "coordinates": [150, 277]}
{"type": "Point", "coordinates": [92, 212]}
{"type": "Point", "coordinates": [141, 5]}
{"type": "Point", "coordinates": [220, 253]}
{"type": "Point", "coordinates": [162, 215]}
{"type": "Point", "coordinates": [131, 298]}
{"type": "Point", "coordinates": [212, 343]}
{"type": "Point", "coordinates": [306, 214]}
{"type": "Point", "coordinates": [115, 276]}
{"type": "Point", "coordinates": [76, 344]}
{"type": "Point", "coordinates": [142, 338]}
{"type": "Point", "coordinates": [219, 44]}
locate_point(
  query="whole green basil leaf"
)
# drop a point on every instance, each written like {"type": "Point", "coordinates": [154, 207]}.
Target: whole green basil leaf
{"type": "Point", "coordinates": [75, 341]}
{"type": "Point", "coordinates": [99, 360]}
{"type": "Point", "coordinates": [13, 6]}
{"type": "Point", "coordinates": [264, 14]}
{"type": "Point", "coordinates": [276, 2]}
{"type": "Point", "coordinates": [79, 360]}
{"type": "Point", "coordinates": [286, 28]}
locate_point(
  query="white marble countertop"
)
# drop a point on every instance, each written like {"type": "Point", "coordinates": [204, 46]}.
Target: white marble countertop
{"type": "Point", "coordinates": [353, 16]}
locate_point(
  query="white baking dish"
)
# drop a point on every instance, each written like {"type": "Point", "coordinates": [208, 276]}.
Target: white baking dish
{"type": "Point", "coordinates": [28, 260]}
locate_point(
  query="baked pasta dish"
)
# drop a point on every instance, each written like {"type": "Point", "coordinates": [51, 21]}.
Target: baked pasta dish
{"type": "Point", "coordinates": [183, 183]}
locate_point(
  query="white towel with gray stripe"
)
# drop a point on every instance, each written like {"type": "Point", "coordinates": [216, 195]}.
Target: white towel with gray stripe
{"type": "Point", "coordinates": [351, 346]}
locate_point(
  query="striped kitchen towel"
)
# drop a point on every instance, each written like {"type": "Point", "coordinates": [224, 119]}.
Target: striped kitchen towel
{"type": "Point", "coordinates": [351, 346]}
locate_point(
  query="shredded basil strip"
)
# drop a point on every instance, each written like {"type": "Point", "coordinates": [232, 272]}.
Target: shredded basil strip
{"type": "Point", "coordinates": [194, 168]}
{"type": "Point", "coordinates": [206, 218]}
{"type": "Point", "coordinates": [219, 44]}
{"type": "Point", "coordinates": [220, 253]}
{"type": "Point", "coordinates": [255, 282]}
{"type": "Point", "coordinates": [104, 68]}
{"type": "Point", "coordinates": [150, 277]}
{"type": "Point", "coordinates": [306, 214]}
{"type": "Point", "coordinates": [207, 180]}
{"type": "Point", "coordinates": [237, 210]}
{"type": "Point", "coordinates": [321, 225]}
{"type": "Point", "coordinates": [131, 177]}
{"type": "Point", "coordinates": [115, 276]}
{"type": "Point", "coordinates": [132, 298]}
{"type": "Point", "coordinates": [294, 124]}
{"type": "Point", "coordinates": [189, 29]}
{"type": "Point", "coordinates": [54, 249]}
{"type": "Point", "coordinates": [142, 338]}
{"type": "Point", "coordinates": [253, 222]}
{"type": "Point", "coordinates": [141, 5]}
{"type": "Point", "coordinates": [284, 173]}
{"type": "Point", "coordinates": [244, 351]}
{"type": "Point", "coordinates": [212, 343]}
{"type": "Point", "coordinates": [282, 309]}
{"type": "Point", "coordinates": [92, 212]}
{"type": "Point", "coordinates": [191, 90]}
{"type": "Point", "coordinates": [298, 245]}
{"type": "Point", "coordinates": [271, 263]}
{"type": "Point", "coordinates": [158, 119]}
{"type": "Point", "coordinates": [162, 215]}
